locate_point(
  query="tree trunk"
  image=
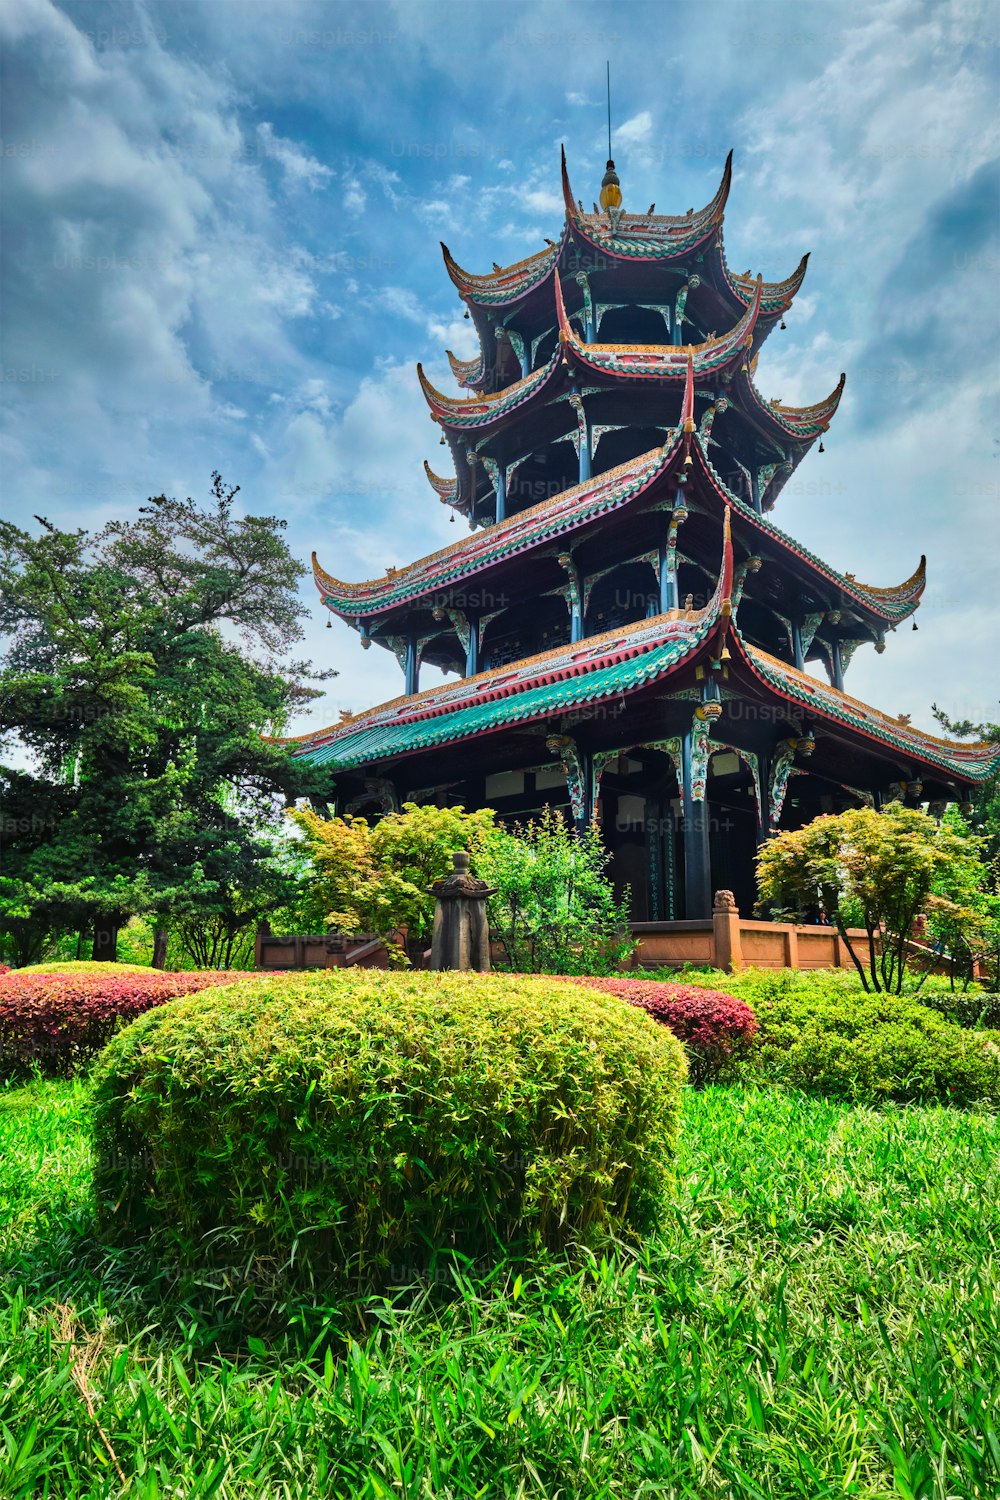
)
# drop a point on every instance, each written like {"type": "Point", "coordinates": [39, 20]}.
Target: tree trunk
{"type": "Point", "coordinates": [160, 937]}
{"type": "Point", "coordinates": [105, 946]}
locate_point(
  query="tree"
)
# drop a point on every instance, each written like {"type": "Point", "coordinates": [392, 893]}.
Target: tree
{"type": "Point", "coordinates": [983, 811]}
{"type": "Point", "coordinates": [554, 910]}
{"type": "Point", "coordinates": [145, 676]}
{"type": "Point", "coordinates": [376, 878]}
{"type": "Point", "coordinates": [872, 869]}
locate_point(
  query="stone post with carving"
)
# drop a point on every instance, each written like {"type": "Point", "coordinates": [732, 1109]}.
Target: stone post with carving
{"type": "Point", "coordinates": [727, 947]}
{"type": "Point", "coordinates": [461, 936]}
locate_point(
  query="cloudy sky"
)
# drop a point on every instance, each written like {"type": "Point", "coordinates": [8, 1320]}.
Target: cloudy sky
{"type": "Point", "coordinates": [221, 226]}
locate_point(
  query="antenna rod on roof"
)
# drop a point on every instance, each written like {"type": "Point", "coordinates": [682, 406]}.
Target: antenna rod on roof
{"type": "Point", "coordinates": [609, 107]}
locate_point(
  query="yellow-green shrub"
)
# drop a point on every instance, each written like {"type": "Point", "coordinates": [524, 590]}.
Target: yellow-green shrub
{"type": "Point", "coordinates": [351, 1125]}
{"type": "Point", "coordinates": [85, 966]}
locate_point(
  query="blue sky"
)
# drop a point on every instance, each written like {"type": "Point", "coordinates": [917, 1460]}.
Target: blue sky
{"type": "Point", "coordinates": [221, 226]}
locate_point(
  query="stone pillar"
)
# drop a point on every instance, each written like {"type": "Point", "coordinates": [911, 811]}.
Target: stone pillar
{"type": "Point", "coordinates": [461, 936]}
{"type": "Point", "coordinates": [727, 946]}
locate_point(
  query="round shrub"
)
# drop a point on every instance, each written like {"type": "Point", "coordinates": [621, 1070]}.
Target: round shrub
{"type": "Point", "coordinates": [53, 1021]}
{"type": "Point", "coordinates": [716, 1029]}
{"type": "Point", "coordinates": [348, 1126]}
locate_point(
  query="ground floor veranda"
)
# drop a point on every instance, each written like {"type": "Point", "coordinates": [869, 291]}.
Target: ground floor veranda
{"type": "Point", "coordinates": [681, 817]}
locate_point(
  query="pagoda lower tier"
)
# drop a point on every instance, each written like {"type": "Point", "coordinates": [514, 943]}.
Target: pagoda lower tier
{"type": "Point", "coordinates": [685, 742]}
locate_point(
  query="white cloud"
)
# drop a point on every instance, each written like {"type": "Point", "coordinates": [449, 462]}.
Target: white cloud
{"type": "Point", "coordinates": [299, 168]}
{"type": "Point", "coordinates": [634, 132]}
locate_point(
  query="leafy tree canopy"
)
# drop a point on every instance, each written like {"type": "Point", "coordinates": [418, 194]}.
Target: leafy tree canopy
{"type": "Point", "coordinates": [876, 870]}
{"type": "Point", "coordinates": [144, 673]}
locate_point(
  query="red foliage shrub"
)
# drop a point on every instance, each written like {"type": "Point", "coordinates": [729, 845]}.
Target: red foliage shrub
{"type": "Point", "coordinates": [716, 1029]}
{"type": "Point", "coordinates": [54, 1022]}
{"type": "Point", "coordinates": [4, 968]}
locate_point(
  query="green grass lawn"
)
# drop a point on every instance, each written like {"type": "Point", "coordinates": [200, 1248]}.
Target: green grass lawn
{"type": "Point", "coordinates": [820, 1317]}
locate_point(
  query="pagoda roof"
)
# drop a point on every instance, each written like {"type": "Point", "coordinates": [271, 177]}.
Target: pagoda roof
{"type": "Point", "coordinates": [572, 508]}
{"type": "Point", "coordinates": [661, 361]}
{"type": "Point", "coordinates": [469, 373]}
{"type": "Point", "coordinates": [664, 362]}
{"type": "Point", "coordinates": [530, 528]}
{"type": "Point", "coordinates": [970, 762]}
{"type": "Point", "coordinates": [447, 489]}
{"type": "Point", "coordinates": [483, 409]}
{"type": "Point", "coordinates": [776, 296]}
{"type": "Point", "coordinates": [890, 603]}
{"type": "Point", "coordinates": [617, 664]}
{"type": "Point", "coordinates": [608, 665]}
{"type": "Point", "coordinates": [800, 423]}
{"type": "Point", "coordinates": [639, 238]}
{"type": "Point", "coordinates": [647, 236]}
{"type": "Point", "coordinates": [510, 283]}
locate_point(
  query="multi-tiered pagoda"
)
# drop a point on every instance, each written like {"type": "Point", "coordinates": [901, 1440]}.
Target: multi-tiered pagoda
{"type": "Point", "coordinates": [635, 639]}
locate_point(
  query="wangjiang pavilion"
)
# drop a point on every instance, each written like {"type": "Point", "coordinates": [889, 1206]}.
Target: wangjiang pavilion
{"type": "Point", "coordinates": [632, 631]}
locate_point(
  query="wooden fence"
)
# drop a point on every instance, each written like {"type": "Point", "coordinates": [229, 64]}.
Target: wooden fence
{"type": "Point", "coordinates": [729, 942]}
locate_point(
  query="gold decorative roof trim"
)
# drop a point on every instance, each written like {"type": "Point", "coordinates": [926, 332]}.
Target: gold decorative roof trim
{"type": "Point", "coordinates": [326, 581]}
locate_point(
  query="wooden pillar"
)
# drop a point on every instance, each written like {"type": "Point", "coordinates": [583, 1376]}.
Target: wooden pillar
{"type": "Point", "coordinates": [472, 650]}
{"type": "Point", "coordinates": [791, 937]}
{"type": "Point", "coordinates": [584, 450]}
{"type": "Point", "coordinates": [501, 492]}
{"type": "Point", "coordinates": [664, 579]}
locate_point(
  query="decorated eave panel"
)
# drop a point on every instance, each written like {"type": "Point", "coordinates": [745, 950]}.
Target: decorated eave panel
{"type": "Point", "coordinates": [967, 763]}
{"type": "Point", "coordinates": [656, 361]}
{"type": "Point", "coordinates": [888, 604]}
{"type": "Point", "coordinates": [801, 424]}
{"type": "Point", "coordinates": [509, 283]}
{"type": "Point", "coordinates": [615, 663]}
{"type": "Point", "coordinates": [497, 544]}
{"type": "Point", "coordinates": [464, 412]}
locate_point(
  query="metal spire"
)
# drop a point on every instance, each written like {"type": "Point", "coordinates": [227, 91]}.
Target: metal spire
{"type": "Point", "coordinates": [609, 107]}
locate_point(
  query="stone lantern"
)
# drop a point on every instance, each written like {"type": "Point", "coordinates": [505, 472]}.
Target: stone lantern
{"type": "Point", "coordinates": [461, 936]}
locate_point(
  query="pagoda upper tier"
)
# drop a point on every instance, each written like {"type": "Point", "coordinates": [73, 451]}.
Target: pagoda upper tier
{"type": "Point", "coordinates": [675, 265]}
{"type": "Point", "coordinates": [586, 344]}
{"type": "Point", "coordinates": [644, 534]}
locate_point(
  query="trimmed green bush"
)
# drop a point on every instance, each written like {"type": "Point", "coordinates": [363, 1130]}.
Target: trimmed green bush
{"type": "Point", "coordinates": [873, 1049]}
{"type": "Point", "coordinates": [350, 1126]}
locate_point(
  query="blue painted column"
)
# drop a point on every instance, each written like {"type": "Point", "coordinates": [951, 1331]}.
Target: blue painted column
{"type": "Point", "coordinates": [697, 862]}
{"type": "Point", "coordinates": [668, 584]}
{"type": "Point", "coordinates": [798, 654]}
{"type": "Point", "coordinates": [669, 596]}
{"type": "Point", "coordinates": [412, 666]}
{"type": "Point", "coordinates": [838, 667]}
{"type": "Point", "coordinates": [755, 491]}
{"type": "Point", "coordinates": [472, 650]}
{"type": "Point", "coordinates": [585, 452]}
{"type": "Point", "coordinates": [501, 489]}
